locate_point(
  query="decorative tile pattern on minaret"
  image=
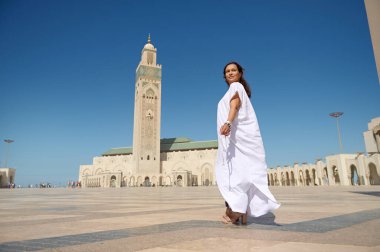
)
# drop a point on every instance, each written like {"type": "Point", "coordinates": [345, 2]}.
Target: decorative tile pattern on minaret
{"type": "Point", "coordinates": [147, 117]}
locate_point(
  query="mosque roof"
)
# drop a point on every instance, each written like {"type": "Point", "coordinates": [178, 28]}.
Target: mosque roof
{"type": "Point", "coordinates": [118, 151]}
{"type": "Point", "coordinates": [149, 46]}
{"type": "Point", "coordinates": [168, 145]}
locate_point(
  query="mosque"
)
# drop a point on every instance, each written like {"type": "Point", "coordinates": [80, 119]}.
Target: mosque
{"type": "Point", "coordinates": [182, 162]}
{"type": "Point", "coordinates": [152, 161]}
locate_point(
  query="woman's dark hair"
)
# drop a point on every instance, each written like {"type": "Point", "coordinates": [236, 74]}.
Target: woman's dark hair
{"type": "Point", "coordinates": [242, 80]}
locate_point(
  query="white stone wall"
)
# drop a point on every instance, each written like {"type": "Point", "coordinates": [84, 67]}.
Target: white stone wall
{"type": "Point", "coordinates": [372, 136]}
{"type": "Point", "coordinates": [373, 169]}
{"type": "Point", "coordinates": [199, 162]}
{"type": "Point", "coordinates": [342, 169]}
{"type": "Point", "coordinates": [195, 168]}
{"type": "Point", "coordinates": [7, 176]}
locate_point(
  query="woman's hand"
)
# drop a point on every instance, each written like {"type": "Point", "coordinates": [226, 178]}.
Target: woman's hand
{"type": "Point", "coordinates": [225, 130]}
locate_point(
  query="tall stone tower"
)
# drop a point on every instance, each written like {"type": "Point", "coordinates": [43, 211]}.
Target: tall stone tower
{"type": "Point", "coordinates": [147, 117]}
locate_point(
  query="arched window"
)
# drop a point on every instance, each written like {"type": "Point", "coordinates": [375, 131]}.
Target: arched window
{"type": "Point", "coordinates": [354, 176]}
{"type": "Point", "coordinates": [150, 58]}
{"type": "Point", "coordinates": [150, 95]}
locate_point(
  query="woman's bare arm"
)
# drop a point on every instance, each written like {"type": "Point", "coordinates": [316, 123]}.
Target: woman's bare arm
{"type": "Point", "coordinates": [234, 107]}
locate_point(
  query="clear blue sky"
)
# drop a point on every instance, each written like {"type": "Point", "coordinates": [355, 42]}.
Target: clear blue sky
{"type": "Point", "coordinates": [67, 71]}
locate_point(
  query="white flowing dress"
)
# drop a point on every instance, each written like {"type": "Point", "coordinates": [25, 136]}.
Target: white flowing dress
{"type": "Point", "coordinates": [241, 169]}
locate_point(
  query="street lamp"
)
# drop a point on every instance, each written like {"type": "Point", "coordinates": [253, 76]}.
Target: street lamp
{"type": "Point", "coordinates": [337, 115]}
{"type": "Point", "coordinates": [8, 141]}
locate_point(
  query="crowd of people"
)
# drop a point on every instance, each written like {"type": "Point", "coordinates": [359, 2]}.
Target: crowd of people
{"type": "Point", "coordinates": [74, 184]}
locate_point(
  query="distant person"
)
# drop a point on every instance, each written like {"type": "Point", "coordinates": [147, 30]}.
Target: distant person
{"type": "Point", "coordinates": [241, 169]}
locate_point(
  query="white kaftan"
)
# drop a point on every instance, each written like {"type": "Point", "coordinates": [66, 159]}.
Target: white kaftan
{"type": "Point", "coordinates": [241, 169]}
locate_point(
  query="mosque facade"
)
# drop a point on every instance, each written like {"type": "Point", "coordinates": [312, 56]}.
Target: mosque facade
{"type": "Point", "coordinates": [182, 162]}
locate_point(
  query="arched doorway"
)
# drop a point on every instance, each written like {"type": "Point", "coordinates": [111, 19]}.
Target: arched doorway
{"type": "Point", "coordinates": [374, 178]}
{"type": "Point", "coordinates": [301, 178]}
{"type": "Point", "coordinates": [325, 178]}
{"type": "Point", "coordinates": [314, 177]}
{"type": "Point", "coordinates": [354, 175]}
{"type": "Point", "coordinates": [207, 182]}
{"type": "Point", "coordinates": [179, 180]}
{"type": "Point", "coordinates": [276, 182]}
{"type": "Point", "coordinates": [308, 179]}
{"type": "Point", "coordinates": [206, 176]}
{"type": "Point", "coordinates": [194, 180]}
{"type": "Point", "coordinates": [146, 182]}
{"type": "Point", "coordinates": [271, 179]}
{"type": "Point", "coordinates": [124, 183]}
{"type": "Point", "coordinates": [132, 181]}
{"type": "Point", "coordinates": [282, 179]}
{"type": "Point", "coordinates": [336, 175]}
{"type": "Point", "coordinates": [287, 179]}
{"type": "Point", "coordinates": [292, 178]}
{"type": "Point", "coordinates": [113, 181]}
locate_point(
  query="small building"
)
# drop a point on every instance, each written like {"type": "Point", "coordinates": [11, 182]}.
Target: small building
{"type": "Point", "coordinates": [7, 177]}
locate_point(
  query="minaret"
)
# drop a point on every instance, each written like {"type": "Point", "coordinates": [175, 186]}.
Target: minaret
{"type": "Point", "coordinates": [147, 117]}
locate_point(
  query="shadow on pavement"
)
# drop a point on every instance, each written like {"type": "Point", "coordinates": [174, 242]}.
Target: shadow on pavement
{"type": "Point", "coordinates": [376, 194]}
{"type": "Point", "coordinates": [267, 219]}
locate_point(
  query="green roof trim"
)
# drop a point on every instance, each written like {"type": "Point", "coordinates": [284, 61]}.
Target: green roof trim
{"type": "Point", "coordinates": [118, 151]}
{"type": "Point", "coordinates": [190, 145]}
{"type": "Point", "coordinates": [175, 140]}
{"type": "Point", "coordinates": [169, 144]}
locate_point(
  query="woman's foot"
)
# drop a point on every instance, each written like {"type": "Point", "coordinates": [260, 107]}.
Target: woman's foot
{"type": "Point", "coordinates": [236, 216]}
{"type": "Point", "coordinates": [226, 219]}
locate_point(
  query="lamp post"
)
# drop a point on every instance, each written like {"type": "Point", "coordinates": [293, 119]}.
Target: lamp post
{"type": "Point", "coordinates": [336, 115]}
{"type": "Point", "coordinates": [8, 141]}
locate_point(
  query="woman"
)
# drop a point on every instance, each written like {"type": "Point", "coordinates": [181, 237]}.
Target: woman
{"type": "Point", "coordinates": [241, 170]}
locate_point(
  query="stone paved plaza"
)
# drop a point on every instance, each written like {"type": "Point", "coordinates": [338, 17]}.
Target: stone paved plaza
{"type": "Point", "coordinates": [186, 219]}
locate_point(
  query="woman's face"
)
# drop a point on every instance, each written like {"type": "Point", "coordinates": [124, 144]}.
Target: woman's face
{"type": "Point", "coordinates": [232, 74]}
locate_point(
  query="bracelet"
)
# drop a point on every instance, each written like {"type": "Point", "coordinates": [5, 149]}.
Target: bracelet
{"type": "Point", "coordinates": [228, 124]}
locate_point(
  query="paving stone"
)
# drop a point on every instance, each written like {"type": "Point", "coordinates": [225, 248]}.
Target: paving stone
{"type": "Point", "coordinates": [186, 219]}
